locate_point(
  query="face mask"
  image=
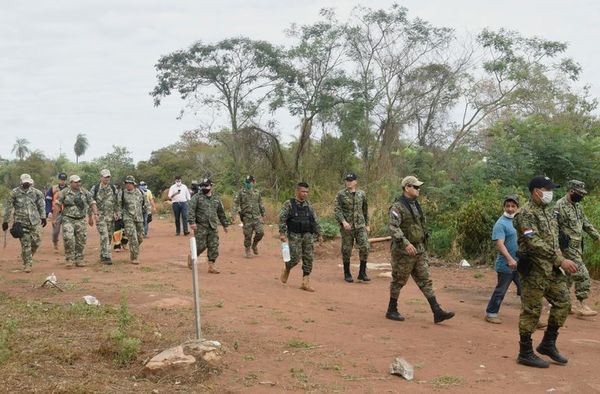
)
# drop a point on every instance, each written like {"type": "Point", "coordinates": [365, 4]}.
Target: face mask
{"type": "Point", "coordinates": [205, 191]}
{"type": "Point", "coordinates": [547, 197]}
{"type": "Point", "coordinates": [143, 188]}
{"type": "Point", "coordinates": [248, 185]}
{"type": "Point", "coordinates": [178, 183]}
{"type": "Point", "coordinates": [509, 215]}
{"type": "Point", "coordinates": [26, 186]}
{"type": "Point", "coordinates": [576, 197]}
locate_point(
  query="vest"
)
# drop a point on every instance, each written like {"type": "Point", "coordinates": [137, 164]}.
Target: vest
{"type": "Point", "coordinates": [302, 220]}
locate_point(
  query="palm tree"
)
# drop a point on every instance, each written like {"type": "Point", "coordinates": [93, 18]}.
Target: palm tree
{"type": "Point", "coordinates": [20, 148]}
{"type": "Point", "coordinates": [81, 145]}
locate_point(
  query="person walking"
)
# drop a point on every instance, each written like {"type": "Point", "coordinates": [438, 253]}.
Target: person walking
{"type": "Point", "coordinates": [133, 204]}
{"type": "Point", "coordinates": [105, 195]}
{"type": "Point", "coordinates": [51, 197]}
{"type": "Point", "coordinates": [542, 269]}
{"type": "Point", "coordinates": [299, 225]}
{"type": "Point", "coordinates": [248, 203]}
{"type": "Point", "coordinates": [26, 206]}
{"type": "Point", "coordinates": [179, 195]}
{"type": "Point", "coordinates": [408, 229]}
{"type": "Point", "coordinates": [150, 208]}
{"type": "Point", "coordinates": [352, 213]}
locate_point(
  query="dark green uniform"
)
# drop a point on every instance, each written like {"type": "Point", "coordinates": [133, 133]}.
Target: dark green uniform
{"type": "Point", "coordinates": [206, 212]}
{"type": "Point", "coordinates": [298, 222]}
{"type": "Point", "coordinates": [248, 203]}
{"type": "Point", "coordinates": [354, 209]}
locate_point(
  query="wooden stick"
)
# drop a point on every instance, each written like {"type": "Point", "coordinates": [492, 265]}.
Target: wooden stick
{"type": "Point", "coordinates": [380, 239]}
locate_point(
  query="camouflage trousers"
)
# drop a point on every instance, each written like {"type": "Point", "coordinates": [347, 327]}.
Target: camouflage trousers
{"type": "Point", "coordinates": [30, 242]}
{"type": "Point", "coordinates": [56, 225]}
{"type": "Point", "coordinates": [74, 238]}
{"type": "Point", "coordinates": [134, 231]}
{"type": "Point", "coordinates": [358, 235]}
{"type": "Point", "coordinates": [536, 286]}
{"type": "Point", "coordinates": [403, 266]}
{"type": "Point", "coordinates": [581, 278]}
{"type": "Point", "coordinates": [252, 226]}
{"type": "Point", "coordinates": [207, 239]}
{"type": "Point", "coordinates": [106, 229]}
{"type": "Point", "coordinates": [301, 247]}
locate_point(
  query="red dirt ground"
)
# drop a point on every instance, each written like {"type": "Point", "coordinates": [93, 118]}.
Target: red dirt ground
{"type": "Point", "coordinates": [343, 342]}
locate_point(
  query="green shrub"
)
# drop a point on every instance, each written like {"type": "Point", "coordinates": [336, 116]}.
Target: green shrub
{"type": "Point", "coordinates": [329, 228]}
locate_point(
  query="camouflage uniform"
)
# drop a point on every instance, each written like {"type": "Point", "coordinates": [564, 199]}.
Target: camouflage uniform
{"type": "Point", "coordinates": [27, 206]}
{"type": "Point", "coordinates": [301, 244]}
{"type": "Point", "coordinates": [573, 222]}
{"type": "Point", "coordinates": [76, 205]}
{"type": "Point", "coordinates": [408, 226]}
{"type": "Point", "coordinates": [537, 232]}
{"type": "Point", "coordinates": [353, 208]}
{"type": "Point", "coordinates": [248, 202]}
{"type": "Point", "coordinates": [109, 209]}
{"type": "Point", "coordinates": [206, 212]}
{"type": "Point", "coordinates": [133, 203]}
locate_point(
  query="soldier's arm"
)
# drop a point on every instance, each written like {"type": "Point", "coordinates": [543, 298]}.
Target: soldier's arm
{"type": "Point", "coordinates": [235, 205]}
{"type": "Point", "coordinates": [191, 213]}
{"type": "Point", "coordinates": [221, 214]}
{"type": "Point", "coordinates": [284, 214]}
{"type": "Point", "coordinates": [261, 206]}
{"type": "Point", "coordinates": [394, 225]}
{"type": "Point", "coordinates": [337, 209]}
{"type": "Point", "coordinates": [317, 225]}
{"type": "Point", "coordinates": [93, 205]}
{"type": "Point", "coordinates": [365, 209]}
{"type": "Point", "coordinates": [534, 244]}
{"type": "Point", "coordinates": [10, 202]}
{"type": "Point", "coordinates": [41, 205]}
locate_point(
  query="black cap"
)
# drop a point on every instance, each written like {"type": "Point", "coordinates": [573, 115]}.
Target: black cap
{"type": "Point", "coordinates": [350, 176]}
{"type": "Point", "coordinates": [250, 178]}
{"type": "Point", "coordinates": [543, 182]}
{"type": "Point", "coordinates": [62, 176]}
{"type": "Point", "coordinates": [512, 197]}
{"type": "Point", "coordinates": [205, 182]}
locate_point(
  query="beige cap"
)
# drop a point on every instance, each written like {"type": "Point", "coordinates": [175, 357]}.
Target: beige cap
{"type": "Point", "coordinates": [411, 180]}
{"type": "Point", "coordinates": [104, 173]}
{"type": "Point", "coordinates": [74, 178]}
{"type": "Point", "coordinates": [26, 178]}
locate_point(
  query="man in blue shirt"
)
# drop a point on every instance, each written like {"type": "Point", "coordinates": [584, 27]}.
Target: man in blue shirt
{"type": "Point", "coordinates": [504, 236]}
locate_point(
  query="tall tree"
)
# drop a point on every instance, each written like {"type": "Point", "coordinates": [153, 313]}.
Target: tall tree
{"type": "Point", "coordinates": [20, 148]}
{"type": "Point", "coordinates": [81, 145]}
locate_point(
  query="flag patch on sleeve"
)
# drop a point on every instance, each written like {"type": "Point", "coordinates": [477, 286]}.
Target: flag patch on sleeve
{"type": "Point", "coordinates": [528, 232]}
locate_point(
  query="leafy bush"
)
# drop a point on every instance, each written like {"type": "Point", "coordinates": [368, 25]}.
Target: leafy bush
{"type": "Point", "coordinates": [330, 229]}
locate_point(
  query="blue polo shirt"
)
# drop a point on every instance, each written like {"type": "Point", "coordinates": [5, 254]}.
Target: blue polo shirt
{"type": "Point", "coordinates": [504, 230]}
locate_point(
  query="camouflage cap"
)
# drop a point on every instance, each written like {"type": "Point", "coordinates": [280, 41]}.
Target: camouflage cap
{"type": "Point", "coordinates": [577, 186]}
{"type": "Point", "coordinates": [105, 173]}
{"type": "Point", "coordinates": [130, 179]}
{"type": "Point", "coordinates": [511, 197]}
{"type": "Point", "coordinates": [411, 180]}
{"type": "Point", "coordinates": [74, 178]}
{"type": "Point", "coordinates": [26, 178]}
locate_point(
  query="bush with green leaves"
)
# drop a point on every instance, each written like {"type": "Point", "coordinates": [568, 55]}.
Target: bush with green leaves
{"type": "Point", "coordinates": [330, 229]}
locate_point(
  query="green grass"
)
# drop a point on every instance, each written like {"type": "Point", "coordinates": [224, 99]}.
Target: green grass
{"type": "Point", "coordinates": [299, 344]}
{"type": "Point", "coordinates": [445, 381]}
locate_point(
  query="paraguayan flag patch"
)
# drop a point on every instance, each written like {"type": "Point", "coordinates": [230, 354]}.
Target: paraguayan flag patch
{"type": "Point", "coordinates": [528, 232]}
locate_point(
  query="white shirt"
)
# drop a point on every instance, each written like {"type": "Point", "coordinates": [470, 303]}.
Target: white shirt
{"type": "Point", "coordinates": [182, 196]}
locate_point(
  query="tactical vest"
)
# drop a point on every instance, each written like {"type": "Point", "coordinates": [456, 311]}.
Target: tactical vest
{"type": "Point", "coordinates": [302, 220]}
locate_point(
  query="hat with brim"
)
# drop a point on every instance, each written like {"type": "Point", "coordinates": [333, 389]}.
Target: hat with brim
{"type": "Point", "coordinates": [105, 173]}
{"type": "Point", "coordinates": [130, 179]}
{"type": "Point", "coordinates": [350, 177]}
{"type": "Point", "coordinates": [511, 197]}
{"type": "Point", "coordinates": [577, 186]}
{"type": "Point", "coordinates": [542, 182]}
{"type": "Point", "coordinates": [411, 180]}
{"type": "Point", "coordinates": [26, 178]}
{"type": "Point", "coordinates": [74, 178]}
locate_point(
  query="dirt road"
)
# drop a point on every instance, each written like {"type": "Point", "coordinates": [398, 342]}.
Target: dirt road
{"type": "Point", "coordinates": [278, 337]}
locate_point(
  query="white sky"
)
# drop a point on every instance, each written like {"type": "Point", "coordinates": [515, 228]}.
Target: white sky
{"type": "Point", "coordinates": [71, 66]}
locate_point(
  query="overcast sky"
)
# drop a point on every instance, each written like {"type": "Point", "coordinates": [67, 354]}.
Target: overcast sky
{"type": "Point", "coordinates": [71, 66]}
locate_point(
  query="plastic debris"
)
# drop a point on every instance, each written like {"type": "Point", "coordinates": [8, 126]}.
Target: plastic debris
{"type": "Point", "coordinates": [91, 300]}
{"type": "Point", "coordinates": [403, 368]}
{"type": "Point", "coordinates": [464, 263]}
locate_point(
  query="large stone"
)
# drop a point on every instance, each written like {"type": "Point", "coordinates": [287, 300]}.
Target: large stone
{"type": "Point", "coordinates": [170, 361]}
{"type": "Point", "coordinates": [204, 349]}
{"type": "Point", "coordinates": [403, 368]}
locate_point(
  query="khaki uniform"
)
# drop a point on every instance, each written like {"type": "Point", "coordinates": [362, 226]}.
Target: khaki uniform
{"type": "Point", "coordinates": [133, 203]}
{"type": "Point", "coordinates": [107, 202]}
{"type": "Point", "coordinates": [76, 206]}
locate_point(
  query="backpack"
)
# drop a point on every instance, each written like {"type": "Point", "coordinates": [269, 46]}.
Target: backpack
{"type": "Point", "coordinates": [97, 186]}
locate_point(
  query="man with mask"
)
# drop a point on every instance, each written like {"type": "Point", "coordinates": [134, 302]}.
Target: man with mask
{"type": "Point", "coordinates": [542, 269]}
{"type": "Point", "coordinates": [105, 195]}
{"type": "Point", "coordinates": [26, 204]}
{"type": "Point", "coordinates": [408, 229]}
{"type": "Point", "coordinates": [248, 202]}
{"type": "Point", "coordinates": [133, 204]}
{"type": "Point", "coordinates": [179, 195]}
{"type": "Point", "coordinates": [352, 213]}
{"type": "Point", "coordinates": [51, 197]}
{"type": "Point", "coordinates": [572, 222]}
{"type": "Point", "coordinates": [206, 211]}
{"type": "Point", "coordinates": [149, 209]}
{"type": "Point", "coordinates": [77, 203]}
{"type": "Point", "coordinates": [504, 236]}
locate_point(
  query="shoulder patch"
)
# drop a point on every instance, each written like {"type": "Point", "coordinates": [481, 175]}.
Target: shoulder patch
{"type": "Point", "coordinates": [528, 232]}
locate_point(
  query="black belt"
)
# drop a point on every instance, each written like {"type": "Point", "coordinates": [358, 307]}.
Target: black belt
{"type": "Point", "coordinates": [72, 217]}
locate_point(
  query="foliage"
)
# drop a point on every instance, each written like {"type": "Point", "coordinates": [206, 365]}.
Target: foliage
{"type": "Point", "coordinates": [330, 229]}
{"type": "Point", "coordinates": [126, 347]}
{"type": "Point", "coordinates": [20, 148]}
{"type": "Point", "coordinates": [81, 145]}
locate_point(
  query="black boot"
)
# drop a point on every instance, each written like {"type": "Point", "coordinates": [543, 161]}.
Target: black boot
{"type": "Point", "coordinates": [347, 274]}
{"type": "Point", "coordinates": [548, 345]}
{"type": "Point", "coordinates": [439, 315]}
{"type": "Point", "coordinates": [527, 356]}
{"type": "Point", "coordinates": [362, 272]}
{"type": "Point", "coordinates": [392, 312]}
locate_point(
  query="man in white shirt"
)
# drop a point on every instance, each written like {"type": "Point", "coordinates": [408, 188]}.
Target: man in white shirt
{"type": "Point", "coordinates": [179, 195]}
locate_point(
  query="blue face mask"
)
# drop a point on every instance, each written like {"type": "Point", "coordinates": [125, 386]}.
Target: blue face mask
{"type": "Point", "coordinates": [143, 188]}
{"type": "Point", "coordinates": [248, 185]}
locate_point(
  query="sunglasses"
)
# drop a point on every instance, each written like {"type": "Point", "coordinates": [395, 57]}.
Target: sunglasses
{"type": "Point", "coordinates": [415, 187]}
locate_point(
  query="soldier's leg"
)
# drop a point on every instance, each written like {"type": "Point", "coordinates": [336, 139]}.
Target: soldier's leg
{"type": "Point", "coordinates": [295, 243]}
{"type": "Point", "coordinates": [247, 229]}
{"type": "Point", "coordinates": [420, 274]}
{"type": "Point", "coordinates": [132, 236]}
{"type": "Point", "coordinates": [307, 260]}
{"type": "Point", "coordinates": [212, 244]}
{"type": "Point", "coordinates": [347, 245]}
{"type": "Point", "coordinates": [102, 228]}
{"type": "Point", "coordinates": [80, 241]}
{"type": "Point", "coordinates": [402, 266]}
{"type": "Point", "coordinates": [557, 294]}
{"type": "Point", "coordinates": [68, 230]}
{"type": "Point", "coordinates": [581, 278]}
{"type": "Point", "coordinates": [259, 233]}
{"type": "Point", "coordinates": [26, 254]}
{"type": "Point", "coordinates": [201, 237]}
{"type": "Point", "coordinates": [139, 231]}
{"type": "Point", "coordinates": [36, 239]}
{"type": "Point", "coordinates": [532, 293]}
{"type": "Point", "coordinates": [110, 226]}
{"type": "Point", "coordinates": [362, 241]}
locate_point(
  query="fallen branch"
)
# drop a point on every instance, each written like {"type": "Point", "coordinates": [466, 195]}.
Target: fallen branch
{"type": "Point", "coordinates": [380, 239]}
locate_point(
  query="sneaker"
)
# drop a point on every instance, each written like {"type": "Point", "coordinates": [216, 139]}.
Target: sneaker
{"type": "Point", "coordinates": [493, 319]}
{"type": "Point", "coordinates": [135, 261]}
{"type": "Point", "coordinates": [583, 310]}
{"type": "Point", "coordinates": [27, 269]}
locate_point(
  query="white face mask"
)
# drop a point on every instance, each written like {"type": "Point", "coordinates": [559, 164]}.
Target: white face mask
{"type": "Point", "coordinates": [178, 183]}
{"type": "Point", "coordinates": [547, 197]}
{"type": "Point", "coordinates": [509, 215]}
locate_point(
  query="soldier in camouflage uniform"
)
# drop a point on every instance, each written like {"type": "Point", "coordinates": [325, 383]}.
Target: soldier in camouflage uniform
{"type": "Point", "coordinates": [248, 202]}
{"type": "Point", "coordinates": [76, 203]}
{"type": "Point", "coordinates": [352, 213]}
{"type": "Point", "coordinates": [105, 195]}
{"type": "Point", "coordinates": [26, 203]}
{"type": "Point", "coordinates": [408, 229]}
{"type": "Point", "coordinates": [204, 214]}
{"type": "Point", "coordinates": [133, 205]}
{"type": "Point", "coordinates": [572, 222]}
{"type": "Point", "coordinates": [298, 223]}
{"type": "Point", "coordinates": [541, 267]}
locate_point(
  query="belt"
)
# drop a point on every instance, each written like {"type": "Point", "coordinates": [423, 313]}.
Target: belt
{"type": "Point", "coordinates": [73, 217]}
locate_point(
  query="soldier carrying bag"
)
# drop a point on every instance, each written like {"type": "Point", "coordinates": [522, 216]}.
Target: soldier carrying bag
{"type": "Point", "coordinates": [16, 230]}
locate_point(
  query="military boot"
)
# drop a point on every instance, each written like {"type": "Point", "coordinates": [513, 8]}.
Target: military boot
{"type": "Point", "coordinates": [548, 345]}
{"type": "Point", "coordinates": [527, 356]}
{"type": "Point", "coordinates": [347, 274]}
{"type": "Point", "coordinates": [583, 310]}
{"type": "Point", "coordinates": [362, 273]}
{"type": "Point", "coordinates": [255, 248]}
{"type": "Point", "coordinates": [306, 284]}
{"type": "Point", "coordinates": [392, 312]}
{"type": "Point", "coordinates": [439, 315]}
{"type": "Point", "coordinates": [248, 253]}
{"type": "Point", "coordinates": [212, 269]}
